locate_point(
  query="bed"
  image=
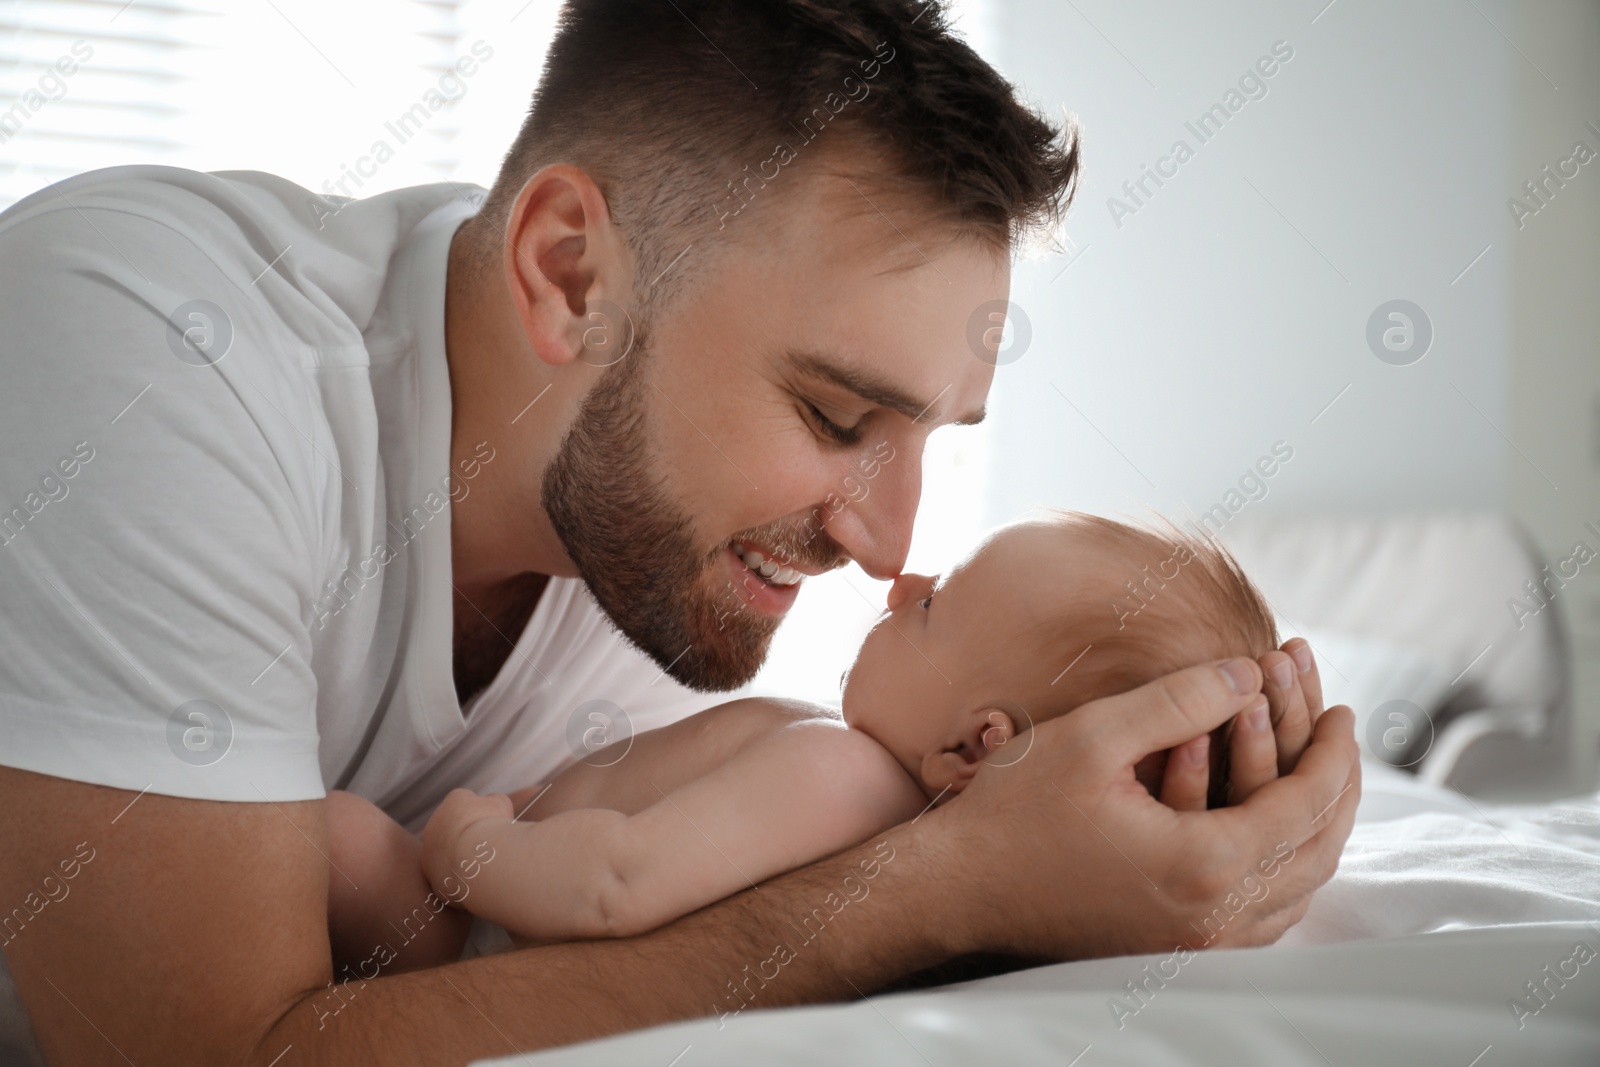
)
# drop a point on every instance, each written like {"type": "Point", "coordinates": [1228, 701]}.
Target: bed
{"type": "Point", "coordinates": [1428, 615]}
{"type": "Point", "coordinates": [1419, 951]}
{"type": "Point", "coordinates": [1446, 905]}
{"type": "Point", "coordinates": [1449, 905]}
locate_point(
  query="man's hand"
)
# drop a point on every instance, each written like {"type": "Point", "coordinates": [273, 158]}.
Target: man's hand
{"type": "Point", "coordinates": [1091, 864]}
{"type": "Point", "coordinates": [1260, 747]}
{"type": "Point", "coordinates": [1294, 689]}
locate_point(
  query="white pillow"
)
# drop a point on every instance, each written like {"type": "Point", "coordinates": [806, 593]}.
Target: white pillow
{"type": "Point", "coordinates": [1394, 690]}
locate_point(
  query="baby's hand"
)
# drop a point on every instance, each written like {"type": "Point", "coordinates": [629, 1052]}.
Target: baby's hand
{"type": "Point", "coordinates": [446, 837]}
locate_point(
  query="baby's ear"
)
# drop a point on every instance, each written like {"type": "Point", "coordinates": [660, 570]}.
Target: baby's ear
{"type": "Point", "coordinates": [980, 732]}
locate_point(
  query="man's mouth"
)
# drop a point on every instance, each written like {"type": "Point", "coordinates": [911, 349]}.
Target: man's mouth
{"type": "Point", "coordinates": [768, 570]}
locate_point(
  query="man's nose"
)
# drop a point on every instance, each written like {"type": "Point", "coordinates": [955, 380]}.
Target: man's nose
{"type": "Point", "coordinates": [910, 587]}
{"type": "Point", "coordinates": [875, 526]}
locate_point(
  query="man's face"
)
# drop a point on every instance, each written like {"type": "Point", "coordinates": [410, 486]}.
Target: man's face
{"type": "Point", "coordinates": [771, 419]}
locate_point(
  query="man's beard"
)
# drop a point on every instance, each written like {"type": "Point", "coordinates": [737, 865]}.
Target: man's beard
{"type": "Point", "coordinates": [635, 547]}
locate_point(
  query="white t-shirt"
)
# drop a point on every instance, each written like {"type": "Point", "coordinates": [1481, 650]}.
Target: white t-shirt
{"type": "Point", "coordinates": [225, 506]}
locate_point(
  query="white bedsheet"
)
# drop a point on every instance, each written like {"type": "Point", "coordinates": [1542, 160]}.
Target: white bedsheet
{"type": "Point", "coordinates": [1433, 999]}
{"type": "Point", "coordinates": [1442, 910]}
{"type": "Point", "coordinates": [1424, 860]}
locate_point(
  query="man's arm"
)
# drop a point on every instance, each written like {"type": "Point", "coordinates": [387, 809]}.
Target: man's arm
{"type": "Point", "coordinates": [198, 934]}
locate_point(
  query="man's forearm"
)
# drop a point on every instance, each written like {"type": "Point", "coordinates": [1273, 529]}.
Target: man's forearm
{"type": "Point", "coordinates": [845, 925]}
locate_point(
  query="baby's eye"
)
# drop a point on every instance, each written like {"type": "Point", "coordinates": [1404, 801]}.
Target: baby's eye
{"type": "Point", "coordinates": [925, 601]}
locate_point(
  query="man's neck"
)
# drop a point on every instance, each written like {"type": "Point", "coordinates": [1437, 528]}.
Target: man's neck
{"type": "Point", "coordinates": [502, 546]}
{"type": "Point", "coordinates": [488, 624]}
{"type": "Point", "coordinates": [505, 405]}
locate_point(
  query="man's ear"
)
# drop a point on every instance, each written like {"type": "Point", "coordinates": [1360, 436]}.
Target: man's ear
{"type": "Point", "coordinates": [560, 250]}
{"type": "Point", "coordinates": [980, 732]}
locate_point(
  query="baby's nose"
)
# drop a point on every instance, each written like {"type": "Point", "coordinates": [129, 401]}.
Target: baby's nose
{"type": "Point", "coordinates": [909, 587]}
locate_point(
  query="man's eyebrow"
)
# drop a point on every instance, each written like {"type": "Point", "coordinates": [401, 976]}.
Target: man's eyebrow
{"type": "Point", "coordinates": [873, 390]}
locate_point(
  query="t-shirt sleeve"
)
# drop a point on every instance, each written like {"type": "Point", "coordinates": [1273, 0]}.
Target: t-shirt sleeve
{"type": "Point", "coordinates": [159, 488]}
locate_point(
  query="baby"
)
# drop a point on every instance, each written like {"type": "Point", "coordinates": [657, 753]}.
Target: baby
{"type": "Point", "coordinates": [1043, 616]}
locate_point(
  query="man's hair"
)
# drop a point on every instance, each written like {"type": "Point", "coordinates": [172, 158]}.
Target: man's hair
{"type": "Point", "coordinates": [681, 111]}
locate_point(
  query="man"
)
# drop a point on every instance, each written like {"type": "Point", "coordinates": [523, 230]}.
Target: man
{"type": "Point", "coordinates": [735, 251]}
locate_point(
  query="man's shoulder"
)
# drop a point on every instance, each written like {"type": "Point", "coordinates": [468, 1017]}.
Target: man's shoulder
{"type": "Point", "coordinates": [178, 195]}
{"type": "Point", "coordinates": [195, 204]}
{"type": "Point", "coordinates": [241, 224]}
{"type": "Point", "coordinates": [165, 235]}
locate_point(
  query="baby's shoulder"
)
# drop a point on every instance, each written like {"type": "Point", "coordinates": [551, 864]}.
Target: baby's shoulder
{"type": "Point", "coordinates": [721, 732]}
{"type": "Point", "coordinates": [778, 711]}
{"type": "Point", "coordinates": [839, 758]}
{"type": "Point", "coordinates": [753, 718]}
{"type": "Point", "coordinates": [847, 771]}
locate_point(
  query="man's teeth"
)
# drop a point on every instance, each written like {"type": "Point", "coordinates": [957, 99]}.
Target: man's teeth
{"type": "Point", "coordinates": [774, 573]}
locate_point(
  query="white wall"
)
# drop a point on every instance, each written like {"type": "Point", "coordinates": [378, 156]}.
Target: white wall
{"type": "Point", "coordinates": [1232, 307]}
{"type": "Point", "coordinates": [1555, 358]}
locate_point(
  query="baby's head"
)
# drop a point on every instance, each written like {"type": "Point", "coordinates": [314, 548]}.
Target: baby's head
{"type": "Point", "coordinates": [1043, 616]}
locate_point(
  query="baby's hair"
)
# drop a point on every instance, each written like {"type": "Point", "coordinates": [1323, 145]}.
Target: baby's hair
{"type": "Point", "coordinates": [1182, 600]}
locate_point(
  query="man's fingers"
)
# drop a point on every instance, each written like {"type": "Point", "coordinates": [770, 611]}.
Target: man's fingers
{"type": "Point", "coordinates": [1300, 805]}
{"type": "Point", "coordinates": [1253, 752]}
{"type": "Point", "coordinates": [1312, 863]}
{"type": "Point", "coordinates": [1188, 775]}
{"type": "Point", "coordinates": [1175, 708]}
{"type": "Point", "coordinates": [1291, 718]}
{"type": "Point", "coordinates": [1298, 865]}
{"type": "Point", "coordinates": [1266, 929]}
{"type": "Point", "coordinates": [1333, 828]}
{"type": "Point", "coordinates": [1305, 664]}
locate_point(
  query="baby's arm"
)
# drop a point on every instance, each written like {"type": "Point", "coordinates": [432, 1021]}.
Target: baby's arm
{"type": "Point", "coordinates": [382, 913]}
{"type": "Point", "coordinates": [625, 775]}
{"type": "Point", "coordinates": [801, 792]}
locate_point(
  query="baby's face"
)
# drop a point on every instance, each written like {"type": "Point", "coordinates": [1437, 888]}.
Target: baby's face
{"type": "Point", "coordinates": [983, 635]}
